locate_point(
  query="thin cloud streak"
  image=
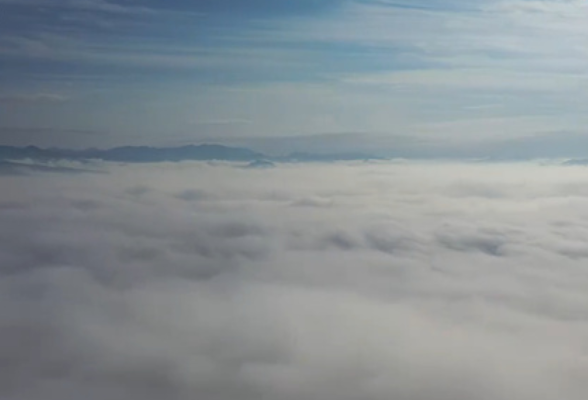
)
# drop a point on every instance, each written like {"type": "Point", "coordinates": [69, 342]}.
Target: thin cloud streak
{"type": "Point", "coordinates": [32, 98]}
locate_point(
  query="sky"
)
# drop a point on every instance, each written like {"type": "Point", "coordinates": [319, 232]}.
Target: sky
{"type": "Point", "coordinates": [420, 77]}
{"type": "Point", "coordinates": [334, 281]}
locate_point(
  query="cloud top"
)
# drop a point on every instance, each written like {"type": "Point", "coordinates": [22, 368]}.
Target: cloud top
{"type": "Point", "coordinates": [335, 281]}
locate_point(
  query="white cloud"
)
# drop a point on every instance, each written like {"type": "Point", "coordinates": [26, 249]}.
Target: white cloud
{"type": "Point", "coordinates": [341, 281]}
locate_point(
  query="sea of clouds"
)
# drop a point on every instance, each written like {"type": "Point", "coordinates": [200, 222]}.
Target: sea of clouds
{"type": "Point", "coordinates": [362, 281]}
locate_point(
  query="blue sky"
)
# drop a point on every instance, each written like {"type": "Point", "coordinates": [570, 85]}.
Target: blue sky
{"type": "Point", "coordinates": [278, 74]}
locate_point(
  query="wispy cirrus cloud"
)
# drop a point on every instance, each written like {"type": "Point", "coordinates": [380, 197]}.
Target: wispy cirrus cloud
{"type": "Point", "coordinates": [32, 98]}
{"type": "Point", "coordinates": [85, 5]}
{"type": "Point", "coordinates": [360, 66]}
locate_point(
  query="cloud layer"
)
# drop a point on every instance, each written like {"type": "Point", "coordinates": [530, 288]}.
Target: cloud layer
{"type": "Point", "coordinates": [345, 281]}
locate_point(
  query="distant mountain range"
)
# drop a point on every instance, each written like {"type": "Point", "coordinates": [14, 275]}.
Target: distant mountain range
{"type": "Point", "coordinates": [143, 154]}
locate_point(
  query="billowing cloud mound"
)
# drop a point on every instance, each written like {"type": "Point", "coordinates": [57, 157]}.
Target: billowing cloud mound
{"type": "Point", "coordinates": [302, 282]}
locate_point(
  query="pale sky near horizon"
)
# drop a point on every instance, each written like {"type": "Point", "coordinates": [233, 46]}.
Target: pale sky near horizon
{"type": "Point", "coordinates": [381, 74]}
